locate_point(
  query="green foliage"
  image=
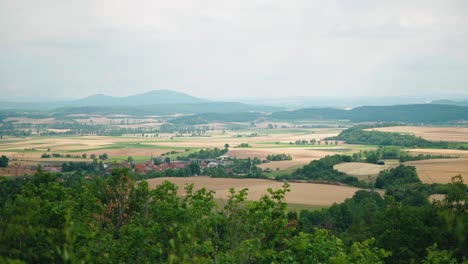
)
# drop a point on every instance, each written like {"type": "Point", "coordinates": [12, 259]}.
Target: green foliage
{"type": "Point", "coordinates": [103, 156]}
{"type": "Point", "coordinates": [392, 152]}
{"type": "Point", "coordinates": [435, 256]}
{"type": "Point", "coordinates": [417, 113]}
{"type": "Point", "coordinates": [278, 157]}
{"type": "Point", "coordinates": [408, 231]}
{"type": "Point", "coordinates": [206, 118]}
{"type": "Point", "coordinates": [4, 161]}
{"type": "Point", "coordinates": [322, 170]}
{"type": "Point", "coordinates": [205, 154]}
{"type": "Point", "coordinates": [83, 166]}
{"type": "Point", "coordinates": [397, 176]}
{"type": "Point", "coordinates": [357, 135]}
{"type": "Point", "coordinates": [45, 219]}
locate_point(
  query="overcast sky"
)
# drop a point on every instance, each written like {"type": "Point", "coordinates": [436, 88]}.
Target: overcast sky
{"type": "Point", "coordinates": [241, 48]}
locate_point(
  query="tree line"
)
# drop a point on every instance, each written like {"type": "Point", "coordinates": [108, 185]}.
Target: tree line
{"type": "Point", "coordinates": [357, 135]}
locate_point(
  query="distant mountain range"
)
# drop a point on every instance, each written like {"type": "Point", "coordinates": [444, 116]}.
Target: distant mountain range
{"type": "Point", "coordinates": [149, 98]}
{"type": "Point", "coordinates": [167, 102]}
{"type": "Point", "coordinates": [451, 102]}
{"type": "Point", "coordinates": [156, 102]}
{"type": "Point", "coordinates": [155, 97]}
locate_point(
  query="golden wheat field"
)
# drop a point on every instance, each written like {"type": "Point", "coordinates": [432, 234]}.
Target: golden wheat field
{"type": "Point", "coordinates": [301, 193]}
{"type": "Point", "coordinates": [440, 170]}
{"type": "Point", "coordinates": [362, 171]}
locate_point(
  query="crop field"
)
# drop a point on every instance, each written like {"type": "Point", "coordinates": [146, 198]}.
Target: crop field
{"type": "Point", "coordinates": [440, 170]}
{"type": "Point", "coordinates": [447, 152]}
{"type": "Point", "coordinates": [28, 150]}
{"type": "Point", "coordinates": [284, 164]}
{"type": "Point", "coordinates": [455, 134]}
{"type": "Point", "coordinates": [301, 193]}
{"type": "Point", "coordinates": [362, 171]}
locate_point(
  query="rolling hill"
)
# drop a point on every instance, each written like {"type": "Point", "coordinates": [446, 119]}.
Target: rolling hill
{"type": "Point", "coordinates": [149, 98]}
{"type": "Point", "coordinates": [166, 109]}
{"type": "Point", "coordinates": [423, 113]}
{"type": "Point", "coordinates": [450, 102]}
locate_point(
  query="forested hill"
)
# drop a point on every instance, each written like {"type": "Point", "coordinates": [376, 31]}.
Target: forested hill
{"type": "Point", "coordinates": [424, 113]}
{"type": "Point", "coordinates": [216, 117]}
{"type": "Point", "coordinates": [167, 109]}
{"type": "Point", "coordinates": [450, 102]}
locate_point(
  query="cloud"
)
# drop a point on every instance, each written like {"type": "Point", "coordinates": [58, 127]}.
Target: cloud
{"type": "Point", "coordinates": [232, 48]}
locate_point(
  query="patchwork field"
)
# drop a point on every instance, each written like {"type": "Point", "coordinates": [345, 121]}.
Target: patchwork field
{"type": "Point", "coordinates": [455, 134]}
{"type": "Point", "coordinates": [301, 193]}
{"type": "Point", "coordinates": [262, 142]}
{"type": "Point", "coordinates": [440, 170]}
{"type": "Point", "coordinates": [28, 150]}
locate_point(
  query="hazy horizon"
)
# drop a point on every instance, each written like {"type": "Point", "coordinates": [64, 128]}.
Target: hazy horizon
{"type": "Point", "coordinates": [255, 99]}
{"type": "Point", "coordinates": [55, 50]}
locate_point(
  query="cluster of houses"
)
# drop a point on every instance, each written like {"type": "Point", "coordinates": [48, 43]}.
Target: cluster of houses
{"type": "Point", "coordinates": [146, 167]}
{"type": "Point", "coordinates": [150, 166]}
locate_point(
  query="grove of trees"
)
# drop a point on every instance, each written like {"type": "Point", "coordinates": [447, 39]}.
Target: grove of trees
{"type": "Point", "coordinates": [4, 161]}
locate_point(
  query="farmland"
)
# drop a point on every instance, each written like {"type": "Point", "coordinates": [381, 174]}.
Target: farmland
{"type": "Point", "coordinates": [362, 171]}
{"type": "Point", "coordinates": [29, 149]}
{"type": "Point", "coordinates": [440, 170]}
{"type": "Point", "coordinates": [301, 193]}
{"type": "Point", "coordinates": [261, 141]}
{"type": "Point", "coordinates": [248, 141]}
{"type": "Point", "coordinates": [329, 179]}
{"type": "Point", "coordinates": [455, 134]}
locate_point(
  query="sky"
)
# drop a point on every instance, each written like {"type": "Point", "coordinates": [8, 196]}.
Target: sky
{"type": "Point", "coordinates": [243, 48]}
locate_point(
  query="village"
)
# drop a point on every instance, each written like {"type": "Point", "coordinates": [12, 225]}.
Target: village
{"type": "Point", "coordinates": [160, 164]}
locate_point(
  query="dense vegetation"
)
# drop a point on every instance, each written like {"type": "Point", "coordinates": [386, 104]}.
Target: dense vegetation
{"type": "Point", "coordinates": [278, 157]}
{"type": "Point", "coordinates": [428, 233]}
{"type": "Point", "coordinates": [357, 135]}
{"type": "Point", "coordinates": [322, 170]}
{"type": "Point", "coordinates": [46, 219]}
{"type": "Point", "coordinates": [216, 117]}
{"type": "Point", "coordinates": [400, 175]}
{"type": "Point", "coordinates": [93, 167]}
{"type": "Point", "coordinates": [4, 161]}
{"type": "Point", "coordinates": [392, 152]}
{"type": "Point", "coordinates": [205, 154]}
{"type": "Point", "coordinates": [118, 220]}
